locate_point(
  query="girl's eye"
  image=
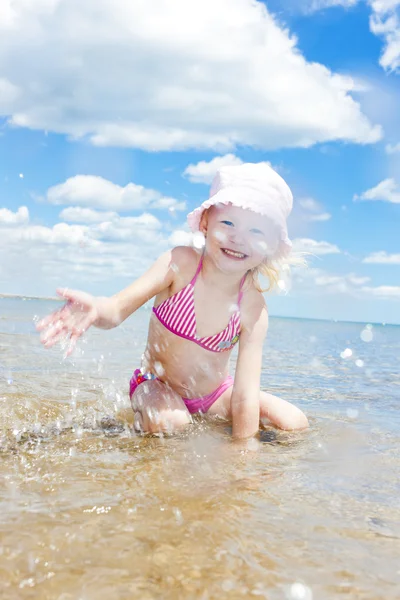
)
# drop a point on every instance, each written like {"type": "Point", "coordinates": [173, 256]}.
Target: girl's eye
{"type": "Point", "coordinates": [227, 222]}
{"type": "Point", "coordinates": [256, 231]}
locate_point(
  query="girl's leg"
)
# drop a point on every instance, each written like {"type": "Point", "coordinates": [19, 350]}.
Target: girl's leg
{"type": "Point", "coordinates": [158, 409]}
{"type": "Point", "coordinates": [273, 409]}
{"type": "Point", "coordinates": [281, 413]}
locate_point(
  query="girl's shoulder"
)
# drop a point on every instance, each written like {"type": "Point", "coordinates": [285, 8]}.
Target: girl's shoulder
{"type": "Point", "coordinates": [252, 304]}
{"type": "Point", "coordinates": [184, 261]}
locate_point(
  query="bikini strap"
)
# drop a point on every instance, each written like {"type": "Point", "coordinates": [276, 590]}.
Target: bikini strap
{"type": "Point", "coordinates": [241, 289]}
{"type": "Point", "coordinates": [198, 270]}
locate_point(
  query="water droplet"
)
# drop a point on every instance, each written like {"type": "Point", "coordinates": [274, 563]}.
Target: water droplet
{"type": "Point", "coordinates": [228, 585]}
{"type": "Point", "coordinates": [21, 175]}
{"type": "Point", "coordinates": [367, 334]}
{"type": "Point", "coordinates": [346, 353]}
{"type": "Point", "coordinates": [159, 369]}
{"type": "Point", "coordinates": [359, 362]}
{"type": "Point", "coordinates": [220, 236]}
{"type": "Point", "coordinates": [178, 516]}
{"type": "Point", "coordinates": [299, 591]}
{"type": "Point", "coordinates": [198, 240]}
{"type": "Point", "coordinates": [352, 413]}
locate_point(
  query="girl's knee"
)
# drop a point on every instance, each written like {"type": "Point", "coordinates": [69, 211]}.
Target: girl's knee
{"type": "Point", "coordinates": [154, 420]}
{"type": "Point", "coordinates": [297, 421]}
{"type": "Point", "coordinates": [281, 413]}
{"type": "Point", "coordinates": [158, 409]}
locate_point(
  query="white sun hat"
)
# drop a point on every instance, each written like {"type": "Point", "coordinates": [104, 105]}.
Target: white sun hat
{"type": "Point", "coordinates": [252, 186]}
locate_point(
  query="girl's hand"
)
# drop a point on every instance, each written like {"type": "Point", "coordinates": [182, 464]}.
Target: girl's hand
{"type": "Point", "coordinates": [73, 319]}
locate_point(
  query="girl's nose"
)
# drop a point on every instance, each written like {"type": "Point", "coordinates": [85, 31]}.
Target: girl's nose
{"type": "Point", "coordinates": [236, 237]}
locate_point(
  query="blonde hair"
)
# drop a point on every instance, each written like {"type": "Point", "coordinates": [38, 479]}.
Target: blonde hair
{"type": "Point", "coordinates": [271, 270]}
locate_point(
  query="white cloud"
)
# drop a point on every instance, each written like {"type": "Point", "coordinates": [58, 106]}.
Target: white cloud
{"type": "Point", "coordinates": [203, 172]}
{"type": "Point", "coordinates": [320, 217]}
{"type": "Point", "coordinates": [59, 234]}
{"type": "Point", "coordinates": [75, 214]}
{"type": "Point", "coordinates": [316, 281]}
{"type": "Point", "coordinates": [313, 210]}
{"type": "Point", "coordinates": [96, 192]}
{"type": "Point", "coordinates": [315, 5]}
{"type": "Point", "coordinates": [341, 284]}
{"type": "Point", "coordinates": [382, 258]}
{"type": "Point", "coordinates": [385, 292]}
{"type": "Point", "coordinates": [348, 284]}
{"type": "Point", "coordinates": [145, 228]}
{"type": "Point", "coordinates": [387, 191]}
{"type": "Point", "coordinates": [8, 93]}
{"type": "Point", "coordinates": [181, 238]}
{"type": "Point", "coordinates": [170, 75]}
{"type": "Point", "coordinates": [385, 22]}
{"type": "Point", "coordinates": [314, 247]}
{"type": "Point", "coordinates": [392, 148]}
{"type": "Point", "coordinates": [110, 253]}
{"type": "Point", "coordinates": [309, 204]}
{"type": "Point", "coordinates": [357, 280]}
{"type": "Point", "coordinates": [7, 217]}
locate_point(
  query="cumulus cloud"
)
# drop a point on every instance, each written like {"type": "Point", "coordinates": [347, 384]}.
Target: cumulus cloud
{"type": "Point", "coordinates": [382, 258]}
{"type": "Point", "coordinates": [314, 247]}
{"type": "Point", "coordinates": [83, 256]}
{"type": "Point", "coordinates": [392, 148]}
{"type": "Point", "coordinates": [385, 292]}
{"type": "Point", "coordinates": [75, 214]}
{"type": "Point", "coordinates": [343, 284]}
{"type": "Point", "coordinates": [7, 217]}
{"type": "Point", "coordinates": [315, 5]}
{"type": "Point", "coordinates": [59, 234]}
{"type": "Point", "coordinates": [203, 171]}
{"type": "Point", "coordinates": [385, 22]}
{"type": "Point", "coordinates": [312, 210]}
{"type": "Point", "coordinates": [165, 76]}
{"type": "Point", "coordinates": [387, 191]}
{"type": "Point", "coordinates": [181, 238]}
{"type": "Point", "coordinates": [348, 284]}
{"type": "Point", "coordinates": [97, 192]}
{"type": "Point", "coordinates": [319, 281]}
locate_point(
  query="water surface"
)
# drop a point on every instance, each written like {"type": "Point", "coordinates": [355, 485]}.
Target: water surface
{"type": "Point", "coordinates": [89, 510]}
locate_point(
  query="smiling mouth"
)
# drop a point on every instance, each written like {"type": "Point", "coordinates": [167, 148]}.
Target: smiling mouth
{"type": "Point", "coordinates": [234, 254]}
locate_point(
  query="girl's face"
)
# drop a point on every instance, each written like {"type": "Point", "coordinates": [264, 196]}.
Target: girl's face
{"type": "Point", "coordinates": [238, 237]}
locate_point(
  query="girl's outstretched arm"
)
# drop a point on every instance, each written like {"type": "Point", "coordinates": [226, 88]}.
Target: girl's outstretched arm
{"type": "Point", "coordinates": [245, 402]}
{"type": "Point", "coordinates": [82, 310]}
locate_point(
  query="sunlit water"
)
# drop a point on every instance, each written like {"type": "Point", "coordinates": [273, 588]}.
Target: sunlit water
{"type": "Point", "coordinates": [89, 511]}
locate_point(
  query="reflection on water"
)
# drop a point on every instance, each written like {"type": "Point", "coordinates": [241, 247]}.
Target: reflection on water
{"type": "Point", "coordinates": [89, 510]}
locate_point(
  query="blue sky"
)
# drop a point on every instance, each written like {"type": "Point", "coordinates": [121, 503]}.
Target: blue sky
{"type": "Point", "coordinates": [110, 135]}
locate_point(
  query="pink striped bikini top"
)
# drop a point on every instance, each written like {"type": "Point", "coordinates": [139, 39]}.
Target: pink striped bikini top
{"type": "Point", "coordinates": [177, 314]}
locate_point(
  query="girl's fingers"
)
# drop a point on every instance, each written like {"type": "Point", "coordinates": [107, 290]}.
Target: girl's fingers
{"type": "Point", "coordinates": [77, 297]}
{"type": "Point", "coordinates": [53, 317]}
{"type": "Point", "coordinates": [72, 343]}
{"type": "Point", "coordinates": [52, 331]}
{"type": "Point", "coordinates": [60, 336]}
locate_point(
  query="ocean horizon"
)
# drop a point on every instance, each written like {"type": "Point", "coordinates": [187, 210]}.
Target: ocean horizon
{"type": "Point", "coordinates": [273, 316]}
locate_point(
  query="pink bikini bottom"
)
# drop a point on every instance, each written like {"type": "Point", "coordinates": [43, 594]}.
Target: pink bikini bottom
{"type": "Point", "coordinates": [193, 405]}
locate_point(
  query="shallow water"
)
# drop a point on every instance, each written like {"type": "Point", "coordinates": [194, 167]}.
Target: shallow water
{"type": "Point", "coordinates": [89, 511]}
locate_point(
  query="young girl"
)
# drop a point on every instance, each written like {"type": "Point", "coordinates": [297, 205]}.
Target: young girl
{"type": "Point", "coordinates": [205, 303]}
